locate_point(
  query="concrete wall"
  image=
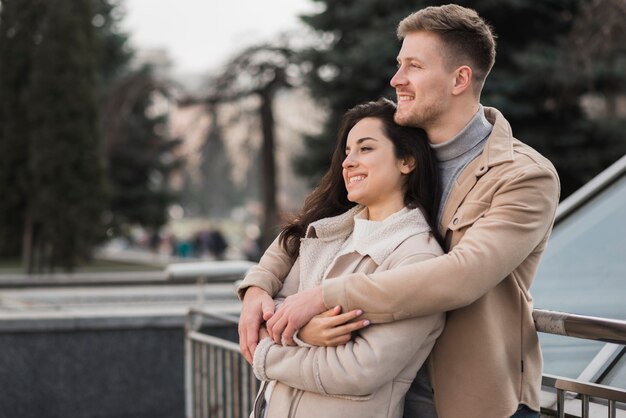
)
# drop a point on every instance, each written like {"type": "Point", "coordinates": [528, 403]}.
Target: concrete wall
{"type": "Point", "coordinates": [113, 372]}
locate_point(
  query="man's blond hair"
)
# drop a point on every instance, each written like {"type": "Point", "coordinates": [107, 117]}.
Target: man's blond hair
{"type": "Point", "coordinates": [466, 37]}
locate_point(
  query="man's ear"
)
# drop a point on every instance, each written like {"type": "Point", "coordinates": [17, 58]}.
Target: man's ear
{"type": "Point", "coordinates": [462, 79]}
{"type": "Point", "coordinates": [408, 165]}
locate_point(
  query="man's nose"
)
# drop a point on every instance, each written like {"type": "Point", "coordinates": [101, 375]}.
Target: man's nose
{"type": "Point", "coordinates": [398, 78]}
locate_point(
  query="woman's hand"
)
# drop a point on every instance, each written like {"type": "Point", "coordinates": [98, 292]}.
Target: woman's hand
{"type": "Point", "coordinates": [332, 328]}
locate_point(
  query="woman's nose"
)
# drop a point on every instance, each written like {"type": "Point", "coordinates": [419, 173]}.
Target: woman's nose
{"type": "Point", "coordinates": [349, 161]}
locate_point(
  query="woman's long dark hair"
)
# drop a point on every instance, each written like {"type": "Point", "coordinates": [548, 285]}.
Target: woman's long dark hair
{"type": "Point", "coordinates": [330, 198]}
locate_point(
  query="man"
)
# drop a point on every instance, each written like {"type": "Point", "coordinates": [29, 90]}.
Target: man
{"type": "Point", "coordinates": [497, 209]}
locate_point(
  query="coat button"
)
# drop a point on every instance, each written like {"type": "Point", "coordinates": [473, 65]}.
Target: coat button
{"type": "Point", "coordinates": [455, 221]}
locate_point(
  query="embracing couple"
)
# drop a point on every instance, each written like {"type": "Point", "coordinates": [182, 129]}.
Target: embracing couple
{"type": "Point", "coordinates": [401, 289]}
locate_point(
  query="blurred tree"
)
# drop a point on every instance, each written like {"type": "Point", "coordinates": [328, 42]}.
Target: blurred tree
{"type": "Point", "coordinates": [62, 63]}
{"type": "Point", "coordinates": [66, 195]}
{"type": "Point", "coordinates": [19, 23]}
{"type": "Point", "coordinates": [560, 64]}
{"type": "Point", "coordinates": [141, 155]}
{"type": "Point", "coordinates": [538, 81]}
{"type": "Point", "coordinates": [217, 188]}
{"type": "Point", "coordinates": [260, 71]}
{"type": "Point", "coordinates": [112, 53]}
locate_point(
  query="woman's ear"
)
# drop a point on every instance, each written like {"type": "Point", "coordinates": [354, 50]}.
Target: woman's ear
{"type": "Point", "coordinates": [407, 165]}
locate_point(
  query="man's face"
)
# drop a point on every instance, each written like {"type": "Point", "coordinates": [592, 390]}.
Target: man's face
{"type": "Point", "coordinates": [423, 83]}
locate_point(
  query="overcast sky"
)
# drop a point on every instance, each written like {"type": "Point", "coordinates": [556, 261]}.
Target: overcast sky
{"type": "Point", "coordinates": [201, 34]}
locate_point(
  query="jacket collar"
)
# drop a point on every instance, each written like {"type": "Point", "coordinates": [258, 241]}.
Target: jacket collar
{"type": "Point", "coordinates": [394, 230]}
{"type": "Point", "coordinates": [499, 146]}
{"type": "Point", "coordinates": [325, 237]}
{"type": "Point", "coordinates": [498, 150]}
{"type": "Point", "coordinates": [335, 227]}
{"type": "Point", "coordinates": [379, 244]}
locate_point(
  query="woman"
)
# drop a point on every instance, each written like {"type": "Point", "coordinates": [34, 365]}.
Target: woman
{"type": "Point", "coordinates": [371, 212]}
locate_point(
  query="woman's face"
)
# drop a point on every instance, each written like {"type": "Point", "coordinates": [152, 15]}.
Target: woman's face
{"type": "Point", "coordinates": [373, 176]}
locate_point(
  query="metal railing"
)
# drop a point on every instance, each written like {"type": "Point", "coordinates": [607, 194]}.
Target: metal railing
{"type": "Point", "coordinates": [584, 397]}
{"type": "Point", "coordinates": [220, 383]}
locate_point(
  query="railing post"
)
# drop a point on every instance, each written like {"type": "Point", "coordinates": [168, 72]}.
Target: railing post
{"type": "Point", "coordinates": [213, 398]}
{"type": "Point", "coordinates": [205, 383]}
{"type": "Point", "coordinates": [585, 406]}
{"type": "Point", "coordinates": [188, 368]}
{"type": "Point", "coordinates": [612, 409]}
{"type": "Point", "coordinates": [560, 403]}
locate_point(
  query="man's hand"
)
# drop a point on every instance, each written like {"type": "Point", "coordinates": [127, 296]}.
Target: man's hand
{"type": "Point", "coordinates": [263, 333]}
{"type": "Point", "coordinates": [332, 328]}
{"type": "Point", "coordinates": [257, 307]}
{"type": "Point", "coordinates": [294, 312]}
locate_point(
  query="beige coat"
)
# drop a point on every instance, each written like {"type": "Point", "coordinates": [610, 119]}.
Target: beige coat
{"type": "Point", "coordinates": [496, 221]}
{"type": "Point", "coordinates": [369, 376]}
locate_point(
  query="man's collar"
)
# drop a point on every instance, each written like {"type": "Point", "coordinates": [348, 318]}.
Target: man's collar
{"type": "Point", "coordinates": [499, 147]}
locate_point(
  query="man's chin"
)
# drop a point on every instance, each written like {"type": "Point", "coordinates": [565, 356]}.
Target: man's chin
{"type": "Point", "coordinates": [404, 119]}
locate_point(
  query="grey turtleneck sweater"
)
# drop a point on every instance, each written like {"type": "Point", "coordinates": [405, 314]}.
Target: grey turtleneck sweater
{"type": "Point", "coordinates": [455, 154]}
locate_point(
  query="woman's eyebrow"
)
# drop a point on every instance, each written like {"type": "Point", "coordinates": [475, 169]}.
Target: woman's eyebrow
{"type": "Point", "coordinates": [361, 140]}
{"type": "Point", "coordinates": [358, 141]}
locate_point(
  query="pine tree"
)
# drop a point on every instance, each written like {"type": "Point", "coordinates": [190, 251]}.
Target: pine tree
{"type": "Point", "coordinates": [112, 52]}
{"type": "Point", "coordinates": [65, 204]}
{"type": "Point", "coordinates": [19, 23]}
{"type": "Point", "coordinates": [140, 153]}
{"type": "Point", "coordinates": [541, 81]}
{"type": "Point", "coordinates": [60, 63]}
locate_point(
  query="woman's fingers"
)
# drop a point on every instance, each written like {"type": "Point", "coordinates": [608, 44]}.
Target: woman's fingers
{"type": "Point", "coordinates": [348, 329]}
{"type": "Point", "coordinates": [344, 317]}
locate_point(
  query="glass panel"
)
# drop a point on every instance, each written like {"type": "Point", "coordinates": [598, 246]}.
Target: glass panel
{"type": "Point", "coordinates": [583, 271]}
{"type": "Point", "coordinates": [567, 356]}
{"type": "Point", "coordinates": [617, 375]}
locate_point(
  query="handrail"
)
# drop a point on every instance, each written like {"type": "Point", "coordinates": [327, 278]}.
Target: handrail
{"type": "Point", "coordinates": [208, 269]}
{"type": "Point", "coordinates": [232, 319]}
{"type": "Point", "coordinates": [549, 322]}
{"type": "Point", "coordinates": [215, 341]}
{"type": "Point", "coordinates": [590, 389]}
{"type": "Point", "coordinates": [580, 326]}
{"type": "Point", "coordinates": [590, 328]}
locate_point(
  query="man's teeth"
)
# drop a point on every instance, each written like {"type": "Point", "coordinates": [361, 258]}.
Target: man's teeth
{"type": "Point", "coordinates": [404, 98]}
{"type": "Point", "coordinates": [356, 178]}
